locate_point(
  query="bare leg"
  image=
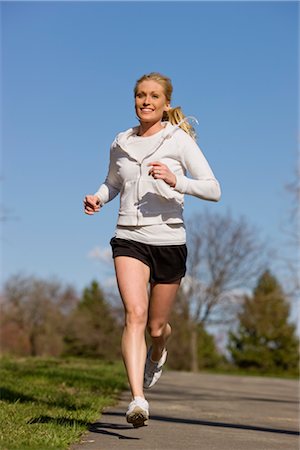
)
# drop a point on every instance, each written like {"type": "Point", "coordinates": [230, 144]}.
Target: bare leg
{"type": "Point", "coordinates": [132, 277]}
{"type": "Point", "coordinates": [162, 298]}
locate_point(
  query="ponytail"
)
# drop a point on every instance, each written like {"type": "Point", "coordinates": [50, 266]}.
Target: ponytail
{"type": "Point", "coordinates": [175, 116]}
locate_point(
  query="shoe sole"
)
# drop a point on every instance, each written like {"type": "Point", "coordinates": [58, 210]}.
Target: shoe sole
{"type": "Point", "coordinates": [137, 417]}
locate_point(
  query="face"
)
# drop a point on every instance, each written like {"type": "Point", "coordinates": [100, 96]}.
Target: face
{"type": "Point", "coordinates": [150, 101]}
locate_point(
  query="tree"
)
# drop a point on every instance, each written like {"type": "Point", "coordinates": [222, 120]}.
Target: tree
{"type": "Point", "coordinates": [265, 340]}
{"type": "Point", "coordinates": [208, 354]}
{"type": "Point", "coordinates": [33, 314]}
{"type": "Point", "coordinates": [180, 355]}
{"type": "Point", "coordinates": [225, 255]}
{"type": "Point", "coordinates": [92, 329]}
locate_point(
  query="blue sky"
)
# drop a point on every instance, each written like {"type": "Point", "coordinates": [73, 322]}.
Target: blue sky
{"type": "Point", "coordinates": [68, 73]}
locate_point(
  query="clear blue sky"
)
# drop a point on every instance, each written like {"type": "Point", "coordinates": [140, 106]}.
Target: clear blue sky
{"type": "Point", "coordinates": [67, 79]}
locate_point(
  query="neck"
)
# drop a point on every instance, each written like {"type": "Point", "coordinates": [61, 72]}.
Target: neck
{"type": "Point", "coordinates": [147, 129]}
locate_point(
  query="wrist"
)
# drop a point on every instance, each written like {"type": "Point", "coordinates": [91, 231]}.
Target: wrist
{"type": "Point", "coordinates": [173, 183]}
{"type": "Point", "coordinates": [99, 200]}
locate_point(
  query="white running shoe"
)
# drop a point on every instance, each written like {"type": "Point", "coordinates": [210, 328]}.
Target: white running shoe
{"type": "Point", "coordinates": [153, 370]}
{"type": "Point", "coordinates": [138, 412]}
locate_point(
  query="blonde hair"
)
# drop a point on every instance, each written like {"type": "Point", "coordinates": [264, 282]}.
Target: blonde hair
{"type": "Point", "coordinates": [173, 115]}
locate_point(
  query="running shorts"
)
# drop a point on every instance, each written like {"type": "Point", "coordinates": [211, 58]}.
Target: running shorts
{"type": "Point", "coordinates": [167, 263]}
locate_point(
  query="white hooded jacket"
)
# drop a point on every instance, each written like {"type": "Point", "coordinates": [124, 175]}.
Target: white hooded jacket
{"type": "Point", "coordinates": [145, 200]}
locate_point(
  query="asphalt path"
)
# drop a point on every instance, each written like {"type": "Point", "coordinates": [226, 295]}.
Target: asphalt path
{"type": "Point", "coordinates": [205, 412]}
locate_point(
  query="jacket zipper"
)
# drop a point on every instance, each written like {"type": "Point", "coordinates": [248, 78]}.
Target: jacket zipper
{"type": "Point", "coordinates": [138, 193]}
{"type": "Point", "coordinates": [140, 175]}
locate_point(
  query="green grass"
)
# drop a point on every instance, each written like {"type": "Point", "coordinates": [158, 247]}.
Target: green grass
{"type": "Point", "coordinates": [48, 403]}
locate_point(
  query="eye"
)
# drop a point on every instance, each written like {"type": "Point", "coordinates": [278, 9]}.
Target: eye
{"type": "Point", "coordinates": [155, 96]}
{"type": "Point", "coordinates": [139, 95]}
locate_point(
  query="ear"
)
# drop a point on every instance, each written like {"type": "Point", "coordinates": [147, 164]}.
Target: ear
{"type": "Point", "coordinates": [167, 107]}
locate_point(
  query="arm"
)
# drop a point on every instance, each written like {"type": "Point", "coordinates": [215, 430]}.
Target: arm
{"type": "Point", "coordinates": [112, 184]}
{"type": "Point", "coordinates": [203, 183]}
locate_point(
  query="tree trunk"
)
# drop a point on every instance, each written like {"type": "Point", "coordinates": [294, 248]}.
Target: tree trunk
{"type": "Point", "coordinates": [32, 340]}
{"type": "Point", "coordinates": [194, 349]}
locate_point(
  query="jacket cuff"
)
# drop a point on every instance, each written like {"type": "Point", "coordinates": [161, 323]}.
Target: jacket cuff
{"type": "Point", "coordinates": [181, 184]}
{"type": "Point", "coordinates": [101, 201]}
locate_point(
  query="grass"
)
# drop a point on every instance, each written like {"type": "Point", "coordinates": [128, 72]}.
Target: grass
{"type": "Point", "coordinates": [47, 403]}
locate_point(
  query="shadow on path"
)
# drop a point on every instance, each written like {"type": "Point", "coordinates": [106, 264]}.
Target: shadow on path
{"type": "Point", "coordinates": [97, 427]}
{"type": "Point", "coordinates": [220, 395]}
{"type": "Point", "coordinates": [215, 424]}
{"type": "Point", "coordinates": [100, 427]}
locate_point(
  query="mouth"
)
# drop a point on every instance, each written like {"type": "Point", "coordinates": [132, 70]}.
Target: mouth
{"type": "Point", "coordinates": [147, 110]}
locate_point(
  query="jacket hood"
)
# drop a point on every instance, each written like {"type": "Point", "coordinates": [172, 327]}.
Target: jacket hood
{"type": "Point", "coordinates": [169, 130]}
{"type": "Point", "coordinates": [122, 138]}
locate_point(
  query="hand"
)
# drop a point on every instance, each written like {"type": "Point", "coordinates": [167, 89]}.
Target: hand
{"type": "Point", "coordinates": [91, 204]}
{"type": "Point", "coordinates": [161, 171]}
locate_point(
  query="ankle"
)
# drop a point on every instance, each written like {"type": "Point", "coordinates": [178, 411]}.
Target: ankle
{"type": "Point", "coordinates": [157, 353]}
{"type": "Point", "coordinates": [139, 397]}
{"type": "Point", "coordinates": [159, 343]}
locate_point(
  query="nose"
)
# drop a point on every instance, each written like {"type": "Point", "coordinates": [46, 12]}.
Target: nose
{"type": "Point", "coordinates": [146, 101]}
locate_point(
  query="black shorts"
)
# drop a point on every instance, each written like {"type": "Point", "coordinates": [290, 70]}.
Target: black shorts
{"type": "Point", "coordinates": [167, 263]}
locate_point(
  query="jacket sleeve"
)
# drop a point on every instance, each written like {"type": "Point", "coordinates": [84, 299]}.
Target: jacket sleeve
{"type": "Point", "coordinates": [112, 184]}
{"type": "Point", "coordinates": [203, 183]}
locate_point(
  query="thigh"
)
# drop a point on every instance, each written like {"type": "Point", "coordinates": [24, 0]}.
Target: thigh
{"type": "Point", "coordinates": [162, 297]}
{"type": "Point", "coordinates": [132, 278]}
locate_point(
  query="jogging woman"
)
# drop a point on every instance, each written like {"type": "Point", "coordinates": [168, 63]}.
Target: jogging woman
{"type": "Point", "coordinates": [148, 166]}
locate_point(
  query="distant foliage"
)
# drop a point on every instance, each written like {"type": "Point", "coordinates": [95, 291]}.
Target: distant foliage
{"type": "Point", "coordinates": [225, 254]}
{"type": "Point", "coordinates": [44, 318]}
{"type": "Point", "coordinates": [265, 340]}
{"type": "Point", "coordinates": [180, 345]}
{"type": "Point", "coordinates": [208, 355]}
{"type": "Point", "coordinates": [92, 330]}
{"type": "Point", "coordinates": [33, 315]}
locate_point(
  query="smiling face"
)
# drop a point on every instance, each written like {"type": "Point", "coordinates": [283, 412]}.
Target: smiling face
{"type": "Point", "coordinates": [150, 101]}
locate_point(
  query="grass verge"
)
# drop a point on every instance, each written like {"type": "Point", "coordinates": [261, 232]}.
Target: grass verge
{"type": "Point", "coordinates": [48, 403]}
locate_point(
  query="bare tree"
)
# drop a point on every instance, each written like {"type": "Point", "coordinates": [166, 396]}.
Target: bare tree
{"type": "Point", "coordinates": [225, 259]}
{"type": "Point", "coordinates": [35, 310]}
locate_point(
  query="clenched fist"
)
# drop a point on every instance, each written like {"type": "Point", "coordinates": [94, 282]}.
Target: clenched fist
{"type": "Point", "coordinates": [160, 171]}
{"type": "Point", "coordinates": [91, 204]}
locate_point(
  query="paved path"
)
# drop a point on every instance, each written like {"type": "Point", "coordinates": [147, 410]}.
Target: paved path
{"type": "Point", "coordinates": [205, 412]}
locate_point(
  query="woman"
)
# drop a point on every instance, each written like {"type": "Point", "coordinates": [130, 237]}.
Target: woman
{"type": "Point", "coordinates": [147, 167]}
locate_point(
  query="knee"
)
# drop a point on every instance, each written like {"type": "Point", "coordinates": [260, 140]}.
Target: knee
{"type": "Point", "coordinates": [136, 316]}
